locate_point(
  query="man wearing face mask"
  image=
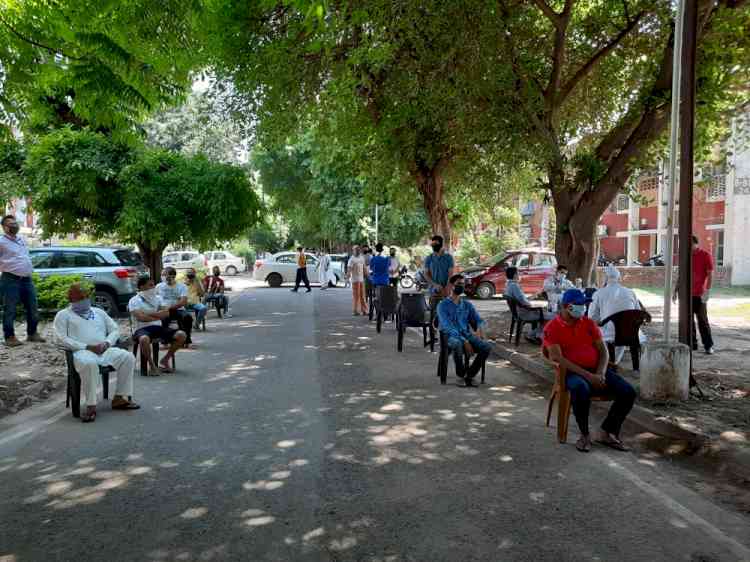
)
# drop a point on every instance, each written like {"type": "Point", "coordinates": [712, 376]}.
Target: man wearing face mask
{"type": "Point", "coordinates": [438, 269]}
{"type": "Point", "coordinates": [393, 266]}
{"type": "Point", "coordinates": [356, 273]}
{"type": "Point", "coordinates": [174, 296]}
{"type": "Point", "coordinates": [462, 325]}
{"type": "Point", "coordinates": [525, 309]}
{"type": "Point", "coordinates": [575, 342]}
{"type": "Point", "coordinates": [555, 285]}
{"type": "Point", "coordinates": [16, 285]}
{"type": "Point", "coordinates": [92, 337]}
{"type": "Point", "coordinates": [149, 313]}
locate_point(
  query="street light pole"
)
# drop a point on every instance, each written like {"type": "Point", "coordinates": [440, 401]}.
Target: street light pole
{"type": "Point", "coordinates": [377, 222]}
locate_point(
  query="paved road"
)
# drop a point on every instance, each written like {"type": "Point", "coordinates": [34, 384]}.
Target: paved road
{"type": "Point", "coordinates": [297, 433]}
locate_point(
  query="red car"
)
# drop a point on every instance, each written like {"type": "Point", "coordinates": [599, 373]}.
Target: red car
{"type": "Point", "coordinates": [534, 265]}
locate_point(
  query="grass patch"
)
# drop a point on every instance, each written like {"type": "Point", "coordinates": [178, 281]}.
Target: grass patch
{"type": "Point", "coordinates": [740, 291]}
{"type": "Point", "coordinates": [742, 310]}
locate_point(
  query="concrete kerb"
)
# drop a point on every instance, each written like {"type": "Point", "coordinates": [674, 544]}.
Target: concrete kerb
{"type": "Point", "coordinates": [734, 460]}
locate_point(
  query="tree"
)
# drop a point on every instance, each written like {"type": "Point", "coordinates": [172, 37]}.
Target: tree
{"type": "Point", "coordinates": [86, 182]}
{"type": "Point", "coordinates": [598, 103]}
{"type": "Point", "coordinates": [94, 63]}
{"type": "Point", "coordinates": [403, 86]}
{"type": "Point", "coordinates": [12, 181]}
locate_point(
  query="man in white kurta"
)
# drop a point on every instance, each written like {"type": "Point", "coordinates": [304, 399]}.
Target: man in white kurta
{"type": "Point", "coordinates": [92, 337]}
{"type": "Point", "coordinates": [555, 285]}
{"type": "Point", "coordinates": [609, 300]}
{"type": "Point", "coordinates": [324, 269]}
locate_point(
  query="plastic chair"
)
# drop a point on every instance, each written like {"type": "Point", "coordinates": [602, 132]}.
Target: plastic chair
{"type": "Point", "coordinates": [386, 304]}
{"type": "Point", "coordinates": [442, 371]}
{"type": "Point", "coordinates": [518, 323]}
{"type": "Point", "coordinates": [560, 392]}
{"type": "Point", "coordinates": [413, 312]}
{"type": "Point", "coordinates": [73, 396]}
{"type": "Point", "coordinates": [627, 326]}
{"type": "Point", "coordinates": [154, 351]}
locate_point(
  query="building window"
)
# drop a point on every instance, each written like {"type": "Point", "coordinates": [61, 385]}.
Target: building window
{"type": "Point", "coordinates": [719, 248]}
{"type": "Point", "coordinates": [622, 203]}
{"type": "Point", "coordinates": [716, 189]}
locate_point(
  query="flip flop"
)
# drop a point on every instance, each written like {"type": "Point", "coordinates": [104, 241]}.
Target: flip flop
{"type": "Point", "coordinates": [613, 443]}
{"type": "Point", "coordinates": [88, 417]}
{"type": "Point", "coordinates": [126, 405]}
{"type": "Point", "coordinates": [582, 446]}
{"type": "Point", "coordinates": [164, 369]}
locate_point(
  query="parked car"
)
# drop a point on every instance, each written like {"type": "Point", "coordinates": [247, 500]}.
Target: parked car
{"type": "Point", "coordinates": [113, 271]}
{"type": "Point", "coordinates": [184, 260]}
{"type": "Point", "coordinates": [339, 262]}
{"type": "Point", "coordinates": [226, 262]}
{"type": "Point", "coordinates": [281, 268]}
{"type": "Point", "coordinates": [534, 265]}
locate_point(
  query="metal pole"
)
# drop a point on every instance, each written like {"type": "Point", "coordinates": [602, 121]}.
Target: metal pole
{"type": "Point", "coordinates": [674, 126]}
{"type": "Point", "coordinates": [377, 223]}
{"type": "Point", "coordinates": [687, 120]}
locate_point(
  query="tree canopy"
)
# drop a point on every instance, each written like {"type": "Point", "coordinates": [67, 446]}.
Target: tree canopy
{"type": "Point", "coordinates": [86, 182]}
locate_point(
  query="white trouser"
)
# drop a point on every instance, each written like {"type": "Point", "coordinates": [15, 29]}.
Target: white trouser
{"type": "Point", "coordinates": [87, 364]}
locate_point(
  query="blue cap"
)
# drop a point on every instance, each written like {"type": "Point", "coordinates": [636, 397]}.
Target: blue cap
{"type": "Point", "coordinates": [573, 296]}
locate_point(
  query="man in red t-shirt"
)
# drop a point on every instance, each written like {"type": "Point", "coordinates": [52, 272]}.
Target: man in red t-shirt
{"type": "Point", "coordinates": [703, 271]}
{"type": "Point", "coordinates": [575, 342]}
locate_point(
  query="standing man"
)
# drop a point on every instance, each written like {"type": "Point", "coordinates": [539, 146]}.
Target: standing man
{"type": "Point", "coordinates": [461, 323]}
{"type": "Point", "coordinates": [16, 284]}
{"type": "Point", "coordinates": [438, 269]}
{"type": "Point", "coordinates": [92, 337]}
{"type": "Point", "coordinates": [393, 268]}
{"type": "Point", "coordinates": [356, 273]}
{"type": "Point", "coordinates": [703, 276]}
{"type": "Point", "coordinates": [379, 268]}
{"type": "Point", "coordinates": [301, 271]}
{"type": "Point", "coordinates": [324, 266]}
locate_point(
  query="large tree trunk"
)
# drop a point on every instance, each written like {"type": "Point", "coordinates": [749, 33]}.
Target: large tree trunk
{"type": "Point", "coordinates": [430, 185]}
{"type": "Point", "coordinates": [576, 243]}
{"type": "Point", "coordinates": [152, 259]}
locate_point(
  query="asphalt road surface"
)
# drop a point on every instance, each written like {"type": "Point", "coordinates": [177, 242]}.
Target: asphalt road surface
{"type": "Point", "coordinates": [295, 432]}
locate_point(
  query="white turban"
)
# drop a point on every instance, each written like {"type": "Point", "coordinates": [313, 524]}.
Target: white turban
{"type": "Point", "coordinates": [612, 273]}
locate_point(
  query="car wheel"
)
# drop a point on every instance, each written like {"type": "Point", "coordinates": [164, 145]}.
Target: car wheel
{"type": "Point", "coordinates": [486, 290]}
{"type": "Point", "coordinates": [105, 301]}
{"type": "Point", "coordinates": [274, 280]}
{"type": "Point", "coordinates": [231, 270]}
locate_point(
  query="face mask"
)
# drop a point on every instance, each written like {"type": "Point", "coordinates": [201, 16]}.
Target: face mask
{"type": "Point", "coordinates": [577, 310]}
{"type": "Point", "coordinates": [171, 280]}
{"type": "Point", "coordinates": [191, 276]}
{"type": "Point", "coordinates": [393, 254]}
{"type": "Point", "coordinates": [13, 230]}
{"type": "Point", "coordinates": [562, 276]}
{"type": "Point", "coordinates": [437, 247]}
{"type": "Point", "coordinates": [149, 294]}
{"type": "Point", "coordinates": [82, 307]}
{"type": "Point", "coordinates": [458, 290]}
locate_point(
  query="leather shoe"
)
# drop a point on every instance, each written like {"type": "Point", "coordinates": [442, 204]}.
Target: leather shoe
{"type": "Point", "coordinates": [13, 341]}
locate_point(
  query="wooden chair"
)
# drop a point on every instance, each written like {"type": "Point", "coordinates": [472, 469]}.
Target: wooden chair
{"type": "Point", "coordinates": [413, 312]}
{"type": "Point", "coordinates": [627, 327]}
{"type": "Point", "coordinates": [561, 393]}
{"type": "Point", "coordinates": [518, 323]}
{"type": "Point", "coordinates": [73, 396]}
{"type": "Point", "coordinates": [444, 355]}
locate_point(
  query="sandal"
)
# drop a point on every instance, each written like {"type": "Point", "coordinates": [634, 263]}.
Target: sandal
{"type": "Point", "coordinates": [613, 443]}
{"type": "Point", "coordinates": [125, 405]}
{"type": "Point", "coordinates": [89, 416]}
{"type": "Point", "coordinates": [583, 445]}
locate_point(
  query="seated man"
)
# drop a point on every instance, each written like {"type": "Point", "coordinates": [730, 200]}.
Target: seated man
{"type": "Point", "coordinates": [574, 341]}
{"type": "Point", "coordinates": [609, 300]}
{"type": "Point", "coordinates": [513, 291]}
{"type": "Point", "coordinates": [174, 296]}
{"type": "Point", "coordinates": [460, 322]}
{"type": "Point", "coordinates": [213, 285]}
{"type": "Point", "coordinates": [195, 297]}
{"type": "Point", "coordinates": [148, 313]}
{"type": "Point", "coordinates": [555, 285]}
{"type": "Point", "coordinates": [92, 336]}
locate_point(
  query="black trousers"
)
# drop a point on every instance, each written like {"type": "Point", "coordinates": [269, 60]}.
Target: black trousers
{"type": "Point", "coordinates": [184, 322]}
{"type": "Point", "coordinates": [700, 313]}
{"type": "Point", "coordinates": [301, 278]}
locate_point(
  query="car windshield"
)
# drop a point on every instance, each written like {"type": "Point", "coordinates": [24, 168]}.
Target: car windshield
{"type": "Point", "coordinates": [126, 257]}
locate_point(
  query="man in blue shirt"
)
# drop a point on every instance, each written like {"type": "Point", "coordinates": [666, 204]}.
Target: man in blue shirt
{"type": "Point", "coordinates": [526, 311]}
{"type": "Point", "coordinates": [461, 323]}
{"type": "Point", "coordinates": [438, 267]}
{"type": "Point", "coordinates": [379, 267]}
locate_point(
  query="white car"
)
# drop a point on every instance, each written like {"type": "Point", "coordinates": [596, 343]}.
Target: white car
{"type": "Point", "coordinates": [184, 260]}
{"type": "Point", "coordinates": [282, 268]}
{"type": "Point", "coordinates": [226, 262]}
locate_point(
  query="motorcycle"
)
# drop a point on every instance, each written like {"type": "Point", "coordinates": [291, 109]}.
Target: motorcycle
{"type": "Point", "coordinates": [408, 281]}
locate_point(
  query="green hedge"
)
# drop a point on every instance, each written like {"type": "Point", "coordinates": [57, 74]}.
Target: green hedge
{"type": "Point", "coordinates": [52, 292]}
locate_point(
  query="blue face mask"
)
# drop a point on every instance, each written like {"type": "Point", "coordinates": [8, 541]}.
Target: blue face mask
{"type": "Point", "coordinates": [82, 307]}
{"type": "Point", "coordinates": [577, 310]}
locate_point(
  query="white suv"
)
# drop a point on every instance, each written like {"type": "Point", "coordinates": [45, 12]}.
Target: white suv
{"type": "Point", "coordinates": [227, 262]}
{"type": "Point", "coordinates": [184, 260]}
